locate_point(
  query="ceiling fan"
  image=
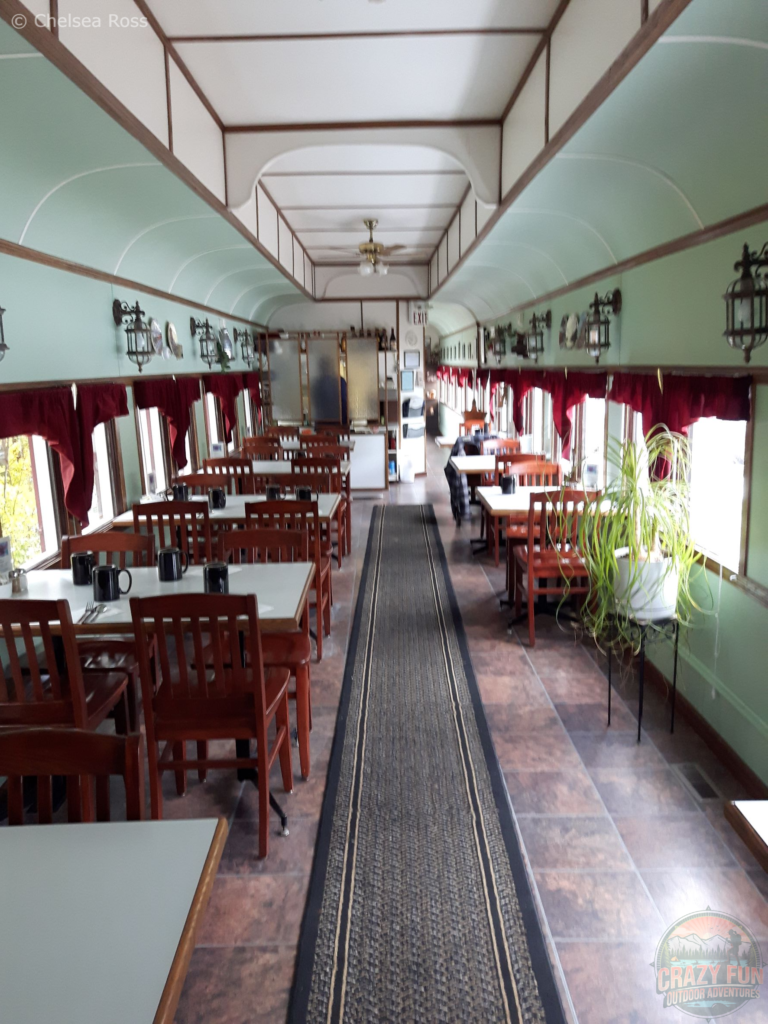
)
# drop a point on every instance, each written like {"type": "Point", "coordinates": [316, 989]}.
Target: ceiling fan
{"type": "Point", "coordinates": [373, 252]}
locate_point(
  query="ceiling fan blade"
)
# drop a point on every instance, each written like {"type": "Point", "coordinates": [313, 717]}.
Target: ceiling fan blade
{"type": "Point", "coordinates": [389, 249]}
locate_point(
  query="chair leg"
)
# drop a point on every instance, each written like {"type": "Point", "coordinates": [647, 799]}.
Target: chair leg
{"type": "Point", "coordinates": [263, 772]}
{"type": "Point", "coordinates": [284, 723]}
{"type": "Point", "coordinates": [496, 523]}
{"type": "Point", "coordinates": [202, 755]}
{"type": "Point", "coordinates": [303, 718]}
{"type": "Point", "coordinates": [348, 526]}
{"type": "Point", "coordinates": [319, 619]}
{"type": "Point", "coordinates": [122, 715]}
{"type": "Point", "coordinates": [179, 752]}
{"type": "Point", "coordinates": [531, 613]}
{"type": "Point", "coordinates": [517, 584]}
{"type": "Point", "coordinates": [339, 535]}
{"type": "Point", "coordinates": [327, 615]}
{"type": "Point", "coordinates": [131, 696]}
{"type": "Point", "coordinates": [155, 784]}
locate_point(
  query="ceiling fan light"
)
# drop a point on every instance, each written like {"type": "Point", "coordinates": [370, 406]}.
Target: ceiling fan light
{"type": "Point", "coordinates": [382, 269]}
{"type": "Point", "coordinates": [365, 269]}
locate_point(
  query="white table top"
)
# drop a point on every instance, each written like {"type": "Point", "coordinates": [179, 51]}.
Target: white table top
{"type": "Point", "coordinates": [280, 588]}
{"type": "Point", "coordinates": [92, 916]}
{"type": "Point", "coordinates": [445, 442]}
{"type": "Point", "coordinates": [294, 444]}
{"type": "Point", "coordinates": [234, 510]}
{"type": "Point", "coordinates": [473, 463]}
{"type": "Point", "coordinates": [500, 504]}
{"type": "Point", "coordinates": [756, 813]}
{"type": "Point", "coordinates": [273, 467]}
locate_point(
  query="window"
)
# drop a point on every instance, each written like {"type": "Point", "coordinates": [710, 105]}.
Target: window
{"type": "Point", "coordinates": [152, 440]}
{"type": "Point", "coordinates": [27, 507]}
{"type": "Point", "coordinates": [538, 421]}
{"type": "Point", "coordinates": [214, 422]}
{"type": "Point", "coordinates": [248, 413]}
{"type": "Point", "coordinates": [717, 488]}
{"type": "Point", "coordinates": [588, 443]}
{"type": "Point", "coordinates": [102, 505]}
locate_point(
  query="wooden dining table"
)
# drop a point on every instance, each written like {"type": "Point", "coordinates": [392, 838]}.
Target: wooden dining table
{"type": "Point", "coordinates": [233, 513]}
{"type": "Point", "coordinates": [281, 589]}
{"type": "Point", "coordinates": [275, 466]}
{"type": "Point", "coordinates": [295, 444]}
{"type": "Point", "coordinates": [99, 920]}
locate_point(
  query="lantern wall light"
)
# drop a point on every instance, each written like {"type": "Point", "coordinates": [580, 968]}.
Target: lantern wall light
{"type": "Point", "coordinates": [245, 340]}
{"type": "Point", "coordinates": [140, 347]}
{"type": "Point", "coordinates": [746, 303]}
{"type": "Point", "coordinates": [535, 336]}
{"type": "Point", "coordinates": [208, 340]}
{"type": "Point", "coordinates": [597, 325]}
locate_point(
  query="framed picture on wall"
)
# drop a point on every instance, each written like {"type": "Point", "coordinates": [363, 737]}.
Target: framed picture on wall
{"type": "Point", "coordinates": [406, 380]}
{"type": "Point", "coordinates": [411, 360]}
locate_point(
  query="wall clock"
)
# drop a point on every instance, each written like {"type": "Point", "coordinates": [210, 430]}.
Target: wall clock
{"type": "Point", "coordinates": [411, 339]}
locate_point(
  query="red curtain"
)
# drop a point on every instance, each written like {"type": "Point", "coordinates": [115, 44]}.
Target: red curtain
{"type": "Point", "coordinates": [226, 387]}
{"type": "Point", "coordinates": [567, 393]}
{"type": "Point", "coordinates": [174, 398]}
{"type": "Point", "coordinates": [521, 382]}
{"type": "Point", "coordinates": [50, 413]}
{"type": "Point", "coordinates": [681, 400]}
{"type": "Point", "coordinates": [96, 403]}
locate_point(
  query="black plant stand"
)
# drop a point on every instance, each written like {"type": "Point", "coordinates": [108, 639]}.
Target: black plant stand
{"type": "Point", "coordinates": [661, 629]}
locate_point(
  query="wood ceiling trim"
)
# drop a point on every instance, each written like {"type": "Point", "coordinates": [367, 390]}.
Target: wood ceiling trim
{"type": "Point", "coordinates": [23, 252]}
{"type": "Point", "coordinates": [376, 206]}
{"type": "Point", "coordinates": [663, 16]}
{"type": "Point", "coordinates": [336, 126]}
{"type": "Point", "coordinates": [284, 37]}
{"type": "Point", "coordinates": [543, 42]}
{"type": "Point", "coordinates": [379, 231]}
{"type": "Point", "coordinates": [360, 174]}
{"type": "Point", "coordinates": [64, 60]}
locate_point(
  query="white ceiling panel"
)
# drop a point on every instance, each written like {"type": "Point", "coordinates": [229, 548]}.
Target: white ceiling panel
{"type": "Point", "coordinates": [443, 78]}
{"type": "Point", "coordinates": [353, 238]}
{"type": "Point", "coordinates": [324, 159]}
{"type": "Point", "coordinates": [269, 17]}
{"type": "Point", "coordinates": [352, 220]}
{"type": "Point", "coordinates": [370, 190]}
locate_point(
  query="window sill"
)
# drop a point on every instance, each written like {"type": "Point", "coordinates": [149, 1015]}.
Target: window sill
{"type": "Point", "coordinates": [747, 586]}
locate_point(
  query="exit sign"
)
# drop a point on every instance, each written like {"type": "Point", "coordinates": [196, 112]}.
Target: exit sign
{"type": "Point", "coordinates": [419, 316]}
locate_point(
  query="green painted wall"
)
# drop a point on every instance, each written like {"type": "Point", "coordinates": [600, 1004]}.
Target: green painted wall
{"type": "Point", "coordinates": [673, 315]}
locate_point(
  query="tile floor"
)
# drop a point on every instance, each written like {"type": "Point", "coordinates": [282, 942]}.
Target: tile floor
{"type": "Point", "coordinates": [617, 845]}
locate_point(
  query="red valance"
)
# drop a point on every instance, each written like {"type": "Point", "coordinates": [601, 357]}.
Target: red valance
{"type": "Point", "coordinates": [681, 400]}
{"type": "Point", "coordinates": [96, 403]}
{"type": "Point", "coordinates": [173, 398]}
{"type": "Point", "coordinates": [567, 393]}
{"type": "Point", "coordinates": [50, 413]}
{"type": "Point", "coordinates": [226, 387]}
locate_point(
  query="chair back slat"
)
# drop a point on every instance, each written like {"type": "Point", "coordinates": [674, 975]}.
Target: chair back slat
{"type": "Point", "coordinates": [261, 448]}
{"type": "Point", "coordinates": [86, 759]}
{"type": "Point", "coordinates": [499, 446]}
{"type": "Point", "coordinates": [49, 691]}
{"type": "Point", "coordinates": [184, 524]}
{"type": "Point", "coordinates": [325, 473]}
{"type": "Point", "coordinates": [264, 545]}
{"type": "Point", "coordinates": [112, 547]}
{"type": "Point", "coordinates": [554, 519]}
{"type": "Point", "coordinates": [201, 483]}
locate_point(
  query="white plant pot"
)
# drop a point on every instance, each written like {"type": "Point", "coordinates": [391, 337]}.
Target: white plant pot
{"type": "Point", "coordinates": [652, 594]}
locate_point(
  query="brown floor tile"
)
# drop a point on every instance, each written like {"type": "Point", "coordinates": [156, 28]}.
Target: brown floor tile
{"type": "Point", "coordinates": [232, 986]}
{"type": "Point", "coordinates": [530, 738]}
{"type": "Point", "coordinates": [616, 750]}
{"type": "Point", "coordinates": [666, 842]}
{"type": "Point", "coordinates": [594, 717]}
{"type": "Point", "coordinates": [292, 853]}
{"type": "Point", "coordinates": [576, 685]}
{"type": "Point", "coordinates": [642, 791]}
{"type": "Point", "coordinates": [683, 890]}
{"type": "Point", "coordinates": [553, 792]}
{"type": "Point", "coordinates": [214, 798]}
{"type": "Point", "coordinates": [611, 983]}
{"type": "Point", "coordinates": [605, 905]}
{"type": "Point", "coordinates": [263, 910]}
{"type": "Point", "coordinates": [573, 843]}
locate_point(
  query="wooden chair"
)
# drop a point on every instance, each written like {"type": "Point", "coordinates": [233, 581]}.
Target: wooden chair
{"type": "Point", "coordinates": [301, 515]}
{"type": "Point", "coordinates": [85, 759]}
{"type": "Point", "coordinates": [239, 469]}
{"type": "Point", "coordinates": [499, 446]}
{"type": "Point", "coordinates": [201, 483]}
{"type": "Point", "coordinates": [281, 650]}
{"type": "Point", "coordinates": [226, 697]}
{"type": "Point", "coordinates": [309, 441]}
{"type": "Point", "coordinates": [261, 448]}
{"type": "Point", "coordinates": [534, 471]}
{"type": "Point", "coordinates": [281, 432]}
{"type": "Point", "coordinates": [52, 689]}
{"type": "Point", "coordinates": [325, 472]}
{"type": "Point", "coordinates": [335, 430]}
{"type": "Point", "coordinates": [113, 654]}
{"type": "Point", "coordinates": [183, 524]}
{"type": "Point", "coordinates": [549, 564]}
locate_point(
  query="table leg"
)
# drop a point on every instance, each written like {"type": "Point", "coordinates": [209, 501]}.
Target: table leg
{"type": "Point", "coordinates": [642, 684]}
{"type": "Point", "coordinates": [674, 678]}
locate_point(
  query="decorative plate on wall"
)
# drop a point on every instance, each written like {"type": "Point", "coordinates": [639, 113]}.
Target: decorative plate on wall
{"type": "Point", "coordinates": [172, 339]}
{"type": "Point", "coordinates": [226, 342]}
{"type": "Point", "coordinates": [157, 336]}
{"type": "Point", "coordinates": [411, 339]}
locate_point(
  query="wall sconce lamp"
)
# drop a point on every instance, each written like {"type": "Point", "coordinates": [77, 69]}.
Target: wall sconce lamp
{"type": "Point", "coordinates": [499, 343]}
{"type": "Point", "coordinates": [597, 327]}
{"type": "Point", "coordinates": [3, 346]}
{"type": "Point", "coordinates": [140, 348]}
{"type": "Point", "coordinates": [535, 335]}
{"type": "Point", "coordinates": [746, 303]}
{"type": "Point", "coordinates": [247, 351]}
{"type": "Point", "coordinates": [208, 340]}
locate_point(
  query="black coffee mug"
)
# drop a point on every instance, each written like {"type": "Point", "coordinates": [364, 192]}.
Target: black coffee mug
{"type": "Point", "coordinates": [82, 567]}
{"type": "Point", "coordinates": [507, 485]}
{"type": "Point", "coordinates": [180, 492]}
{"type": "Point", "coordinates": [300, 454]}
{"type": "Point", "coordinates": [106, 582]}
{"type": "Point", "coordinates": [216, 578]}
{"type": "Point", "coordinates": [172, 563]}
{"type": "Point", "coordinates": [303, 494]}
{"type": "Point", "coordinates": [217, 497]}
{"type": "Point", "coordinates": [273, 492]}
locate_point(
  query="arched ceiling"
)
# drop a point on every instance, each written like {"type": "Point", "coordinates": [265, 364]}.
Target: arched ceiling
{"type": "Point", "coordinates": [76, 185]}
{"type": "Point", "coordinates": [678, 146]}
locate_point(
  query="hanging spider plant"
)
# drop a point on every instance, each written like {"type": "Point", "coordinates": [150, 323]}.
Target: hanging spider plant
{"type": "Point", "coordinates": [636, 542]}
